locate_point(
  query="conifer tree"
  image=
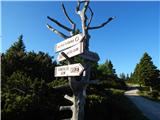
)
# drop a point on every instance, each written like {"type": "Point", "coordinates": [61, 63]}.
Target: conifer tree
{"type": "Point", "coordinates": [17, 46]}
{"type": "Point", "coordinates": [146, 72]}
{"type": "Point", "coordinates": [110, 69]}
{"type": "Point", "coordinates": [13, 58]}
{"type": "Point", "coordinates": [106, 70]}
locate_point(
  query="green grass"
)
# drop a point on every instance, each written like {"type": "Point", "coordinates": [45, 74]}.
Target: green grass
{"type": "Point", "coordinates": [111, 104]}
{"type": "Point", "coordinates": [146, 94]}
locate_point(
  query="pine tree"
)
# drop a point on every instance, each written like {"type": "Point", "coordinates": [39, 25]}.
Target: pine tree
{"type": "Point", "coordinates": [106, 70]}
{"type": "Point", "coordinates": [25, 76]}
{"type": "Point", "coordinates": [13, 58]}
{"type": "Point", "coordinates": [136, 74]}
{"type": "Point", "coordinates": [17, 46]}
{"type": "Point", "coordinates": [109, 66]}
{"type": "Point", "coordinates": [122, 76]}
{"type": "Point", "coordinates": [146, 72]}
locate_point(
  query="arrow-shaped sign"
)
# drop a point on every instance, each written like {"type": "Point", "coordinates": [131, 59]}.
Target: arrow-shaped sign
{"type": "Point", "coordinates": [69, 42]}
{"type": "Point", "coordinates": [71, 52]}
{"type": "Point", "coordinates": [69, 70]}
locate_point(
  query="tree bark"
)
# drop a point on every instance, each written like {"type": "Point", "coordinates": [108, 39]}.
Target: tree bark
{"type": "Point", "coordinates": [78, 86]}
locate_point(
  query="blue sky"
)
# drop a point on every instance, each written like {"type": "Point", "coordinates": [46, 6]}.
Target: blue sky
{"type": "Point", "coordinates": [134, 31]}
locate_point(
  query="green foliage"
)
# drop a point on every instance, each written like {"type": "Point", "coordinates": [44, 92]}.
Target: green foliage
{"type": "Point", "coordinates": [36, 65]}
{"type": "Point", "coordinates": [124, 77]}
{"type": "Point", "coordinates": [13, 57]}
{"type": "Point", "coordinates": [39, 66]}
{"type": "Point", "coordinates": [95, 98]}
{"type": "Point", "coordinates": [109, 83]}
{"type": "Point", "coordinates": [94, 71]}
{"type": "Point", "coordinates": [155, 94]}
{"type": "Point", "coordinates": [17, 46]}
{"type": "Point", "coordinates": [105, 70]}
{"type": "Point", "coordinates": [24, 98]}
{"type": "Point", "coordinates": [29, 89]}
{"type": "Point", "coordinates": [145, 72]}
{"type": "Point", "coordinates": [25, 94]}
{"type": "Point", "coordinates": [16, 95]}
{"type": "Point", "coordinates": [58, 82]}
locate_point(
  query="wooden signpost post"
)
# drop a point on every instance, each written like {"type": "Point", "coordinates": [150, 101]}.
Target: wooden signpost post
{"type": "Point", "coordinates": [77, 44]}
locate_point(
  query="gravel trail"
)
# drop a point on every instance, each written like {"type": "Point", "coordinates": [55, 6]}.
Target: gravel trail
{"type": "Point", "coordinates": [149, 108]}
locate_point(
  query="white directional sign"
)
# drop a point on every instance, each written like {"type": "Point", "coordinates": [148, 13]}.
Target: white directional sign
{"type": "Point", "coordinates": [69, 70]}
{"type": "Point", "coordinates": [69, 42]}
{"type": "Point", "coordinates": [90, 56]}
{"type": "Point", "coordinates": [71, 52]}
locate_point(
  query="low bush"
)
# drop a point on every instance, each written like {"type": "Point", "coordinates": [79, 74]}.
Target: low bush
{"type": "Point", "coordinates": [154, 94]}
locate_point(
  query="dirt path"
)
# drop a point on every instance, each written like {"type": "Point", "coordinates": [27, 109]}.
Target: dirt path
{"type": "Point", "coordinates": [149, 108]}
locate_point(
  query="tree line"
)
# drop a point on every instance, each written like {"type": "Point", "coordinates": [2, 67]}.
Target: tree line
{"type": "Point", "coordinates": [30, 90]}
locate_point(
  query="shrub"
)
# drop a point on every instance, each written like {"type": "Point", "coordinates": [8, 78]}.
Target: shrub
{"type": "Point", "coordinates": [154, 94]}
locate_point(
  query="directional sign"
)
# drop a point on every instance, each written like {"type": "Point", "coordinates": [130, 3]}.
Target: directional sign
{"type": "Point", "coordinates": [69, 42]}
{"type": "Point", "coordinates": [69, 70]}
{"type": "Point", "coordinates": [90, 56]}
{"type": "Point", "coordinates": [71, 52]}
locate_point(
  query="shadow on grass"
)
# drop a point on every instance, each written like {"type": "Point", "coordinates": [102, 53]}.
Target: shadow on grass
{"type": "Point", "coordinates": [112, 105]}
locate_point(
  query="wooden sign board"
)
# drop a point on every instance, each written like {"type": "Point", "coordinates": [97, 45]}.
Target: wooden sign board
{"type": "Point", "coordinates": [90, 56]}
{"type": "Point", "coordinates": [69, 70]}
{"type": "Point", "coordinates": [69, 42]}
{"type": "Point", "coordinates": [71, 52]}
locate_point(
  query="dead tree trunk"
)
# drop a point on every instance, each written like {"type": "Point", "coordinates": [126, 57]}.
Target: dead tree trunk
{"type": "Point", "coordinates": [78, 86]}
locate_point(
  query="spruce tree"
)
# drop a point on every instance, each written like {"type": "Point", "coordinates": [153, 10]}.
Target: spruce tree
{"type": "Point", "coordinates": [17, 46]}
{"type": "Point", "coordinates": [146, 72]}
{"type": "Point", "coordinates": [109, 67]}
{"type": "Point", "coordinates": [13, 58]}
{"type": "Point", "coordinates": [135, 75]}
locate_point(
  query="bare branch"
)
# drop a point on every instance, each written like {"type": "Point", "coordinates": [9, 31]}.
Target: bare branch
{"type": "Point", "coordinates": [66, 14]}
{"type": "Point", "coordinates": [102, 25]}
{"type": "Point", "coordinates": [65, 108]}
{"type": "Point", "coordinates": [68, 98]}
{"type": "Point", "coordinates": [57, 32]}
{"type": "Point", "coordinates": [65, 86]}
{"type": "Point", "coordinates": [19, 90]}
{"type": "Point", "coordinates": [82, 14]}
{"type": "Point", "coordinates": [85, 6]}
{"type": "Point", "coordinates": [90, 20]}
{"type": "Point", "coordinates": [59, 24]}
{"type": "Point", "coordinates": [78, 6]}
